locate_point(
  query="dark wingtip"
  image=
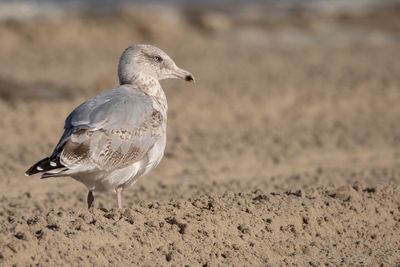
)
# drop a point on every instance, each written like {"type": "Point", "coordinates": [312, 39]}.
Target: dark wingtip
{"type": "Point", "coordinates": [36, 167]}
{"type": "Point", "coordinates": [31, 171]}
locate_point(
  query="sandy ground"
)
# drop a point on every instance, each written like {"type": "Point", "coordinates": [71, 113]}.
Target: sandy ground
{"type": "Point", "coordinates": [285, 151]}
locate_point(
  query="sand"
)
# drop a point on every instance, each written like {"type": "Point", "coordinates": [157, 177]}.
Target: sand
{"type": "Point", "coordinates": [315, 227]}
{"type": "Point", "coordinates": [286, 152]}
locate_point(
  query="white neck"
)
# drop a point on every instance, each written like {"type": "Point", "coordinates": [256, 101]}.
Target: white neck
{"type": "Point", "coordinates": [150, 86]}
{"type": "Point", "coordinates": [146, 83]}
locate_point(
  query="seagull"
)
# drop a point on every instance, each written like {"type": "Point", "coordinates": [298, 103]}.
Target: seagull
{"type": "Point", "coordinates": [114, 138]}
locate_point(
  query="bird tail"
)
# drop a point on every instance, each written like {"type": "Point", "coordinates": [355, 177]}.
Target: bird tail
{"type": "Point", "coordinates": [49, 167]}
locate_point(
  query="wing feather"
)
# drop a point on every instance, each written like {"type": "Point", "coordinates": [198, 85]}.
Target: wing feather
{"type": "Point", "coordinates": [110, 131]}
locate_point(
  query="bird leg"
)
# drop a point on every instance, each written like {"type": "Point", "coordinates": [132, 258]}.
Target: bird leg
{"type": "Point", "coordinates": [119, 197]}
{"type": "Point", "coordinates": [90, 199]}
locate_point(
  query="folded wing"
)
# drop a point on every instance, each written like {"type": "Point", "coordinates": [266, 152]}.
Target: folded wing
{"type": "Point", "coordinates": [108, 132]}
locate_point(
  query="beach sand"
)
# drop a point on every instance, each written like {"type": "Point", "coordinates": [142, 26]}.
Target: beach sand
{"type": "Point", "coordinates": [285, 152]}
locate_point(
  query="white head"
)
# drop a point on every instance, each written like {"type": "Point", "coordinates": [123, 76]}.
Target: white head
{"type": "Point", "coordinates": [148, 61]}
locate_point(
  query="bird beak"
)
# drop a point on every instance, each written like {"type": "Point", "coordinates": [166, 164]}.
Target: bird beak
{"type": "Point", "coordinates": [183, 74]}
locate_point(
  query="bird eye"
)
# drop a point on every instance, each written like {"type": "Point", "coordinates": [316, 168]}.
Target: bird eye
{"type": "Point", "coordinates": [158, 59]}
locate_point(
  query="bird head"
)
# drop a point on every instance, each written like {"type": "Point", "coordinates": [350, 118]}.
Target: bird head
{"type": "Point", "coordinates": [149, 61]}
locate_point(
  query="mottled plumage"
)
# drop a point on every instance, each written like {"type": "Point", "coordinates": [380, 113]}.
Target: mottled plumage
{"type": "Point", "coordinates": [116, 137]}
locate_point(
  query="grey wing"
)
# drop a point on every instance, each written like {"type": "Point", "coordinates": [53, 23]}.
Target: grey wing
{"type": "Point", "coordinates": [110, 131]}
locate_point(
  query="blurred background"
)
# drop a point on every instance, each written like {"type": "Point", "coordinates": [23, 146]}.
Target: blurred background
{"type": "Point", "coordinates": [289, 95]}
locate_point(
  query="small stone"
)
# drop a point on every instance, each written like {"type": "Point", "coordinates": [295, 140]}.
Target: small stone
{"type": "Point", "coordinates": [20, 235]}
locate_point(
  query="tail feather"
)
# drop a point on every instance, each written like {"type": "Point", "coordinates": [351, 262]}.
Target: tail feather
{"type": "Point", "coordinates": [55, 173]}
{"type": "Point", "coordinates": [45, 165]}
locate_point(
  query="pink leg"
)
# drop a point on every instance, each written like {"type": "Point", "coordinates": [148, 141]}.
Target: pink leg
{"type": "Point", "coordinates": [90, 199]}
{"type": "Point", "coordinates": [119, 197]}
